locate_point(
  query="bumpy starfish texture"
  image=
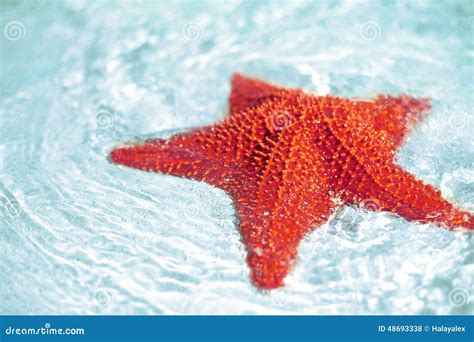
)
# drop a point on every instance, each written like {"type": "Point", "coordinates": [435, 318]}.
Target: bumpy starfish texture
{"type": "Point", "coordinates": [284, 156]}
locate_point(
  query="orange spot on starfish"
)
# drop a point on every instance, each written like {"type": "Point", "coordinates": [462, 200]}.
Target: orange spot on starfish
{"type": "Point", "coordinates": [283, 155]}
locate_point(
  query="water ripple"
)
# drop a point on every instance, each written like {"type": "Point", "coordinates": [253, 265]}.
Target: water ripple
{"type": "Point", "coordinates": [81, 236]}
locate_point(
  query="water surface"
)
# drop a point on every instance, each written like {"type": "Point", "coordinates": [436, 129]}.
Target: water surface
{"type": "Point", "coordinates": [81, 236]}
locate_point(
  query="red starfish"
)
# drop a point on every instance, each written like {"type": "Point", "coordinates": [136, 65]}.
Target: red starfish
{"type": "Point", "coordinates": [284, 156]}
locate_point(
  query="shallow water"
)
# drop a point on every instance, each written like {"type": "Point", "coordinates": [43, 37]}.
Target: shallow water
{"type": "Point", "coordinates": [79, 235]}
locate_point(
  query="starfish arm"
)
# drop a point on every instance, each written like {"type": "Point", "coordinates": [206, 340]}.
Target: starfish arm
{"type": "Point", "coordinates": [398, 115]}
{"type": "Point", "coordinates": [223, 154]}
{"type": "Point", "coordinates": [400, 192]}
{"type": "Point", "coordinates": [289, 202]}
{"type": "Point", "coordinates": [372, 162]}
{"type": "Point", "coordinates": [183, 155]}
{"type": "Point", "coordinates": [373, 130]}
{"type": "Point", "coordinates": [248, 92]}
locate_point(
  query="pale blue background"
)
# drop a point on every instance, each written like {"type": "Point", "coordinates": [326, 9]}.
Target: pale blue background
{"type": "Point", "coordinates": [79, 235]}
